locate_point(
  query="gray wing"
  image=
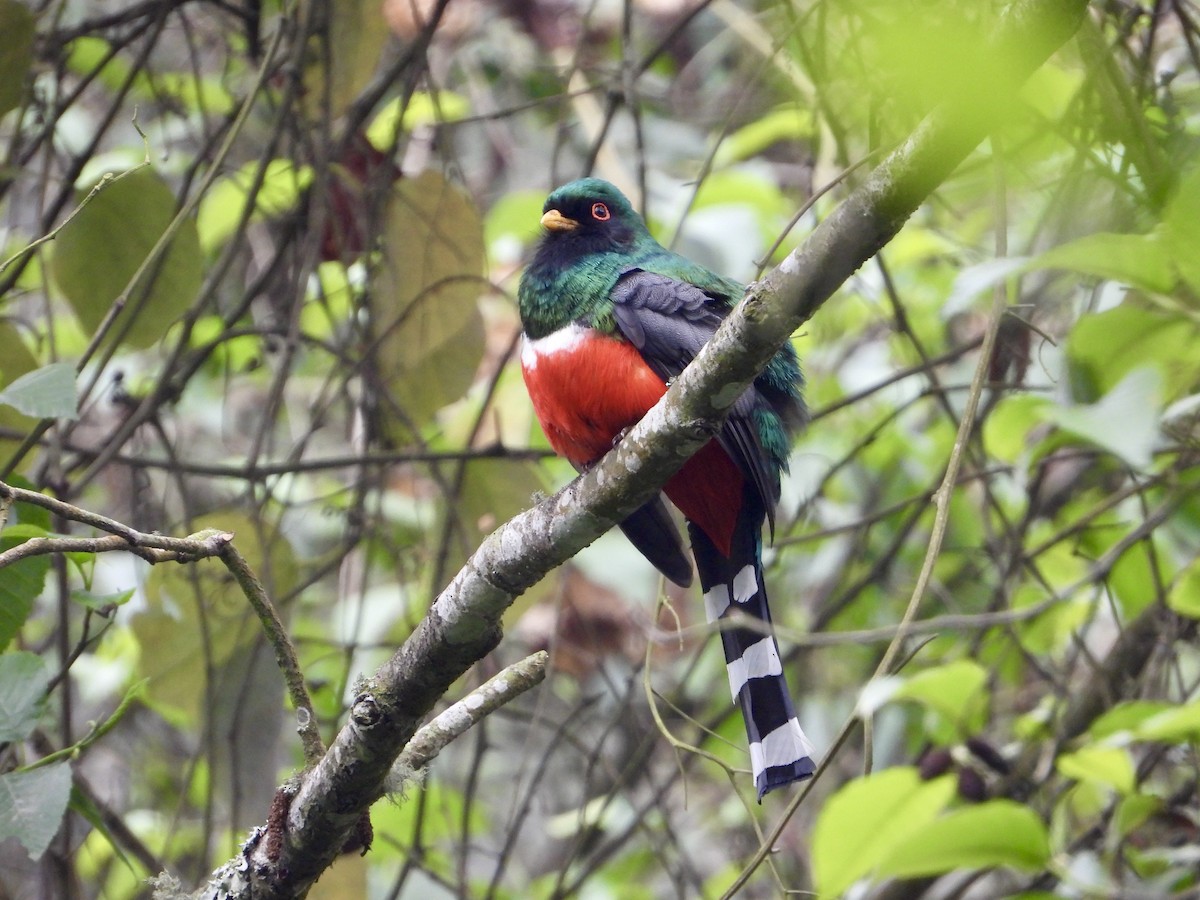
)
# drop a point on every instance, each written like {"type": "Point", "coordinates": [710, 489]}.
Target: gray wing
{"type": "Point", "coordinates": [668, 321]}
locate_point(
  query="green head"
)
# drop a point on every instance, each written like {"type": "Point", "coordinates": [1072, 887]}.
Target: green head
{"type": "Point", "coordinates": [590, 216]}
{"type": "Point", "coordinates": [591, 233]}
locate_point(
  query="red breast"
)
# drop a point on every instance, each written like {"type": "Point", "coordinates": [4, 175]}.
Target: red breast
{"type": "Point", "coordinates": [588, 387]}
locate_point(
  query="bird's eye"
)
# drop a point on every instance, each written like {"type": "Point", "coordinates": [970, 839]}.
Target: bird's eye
{"type": "Point", "coordinates": [600, 212]}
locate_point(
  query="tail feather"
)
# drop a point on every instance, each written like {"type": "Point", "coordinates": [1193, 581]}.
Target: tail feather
{"type": "Point", "coordinates": [733, 586]}
{"type": "Point", "coordinates": [652, 530]}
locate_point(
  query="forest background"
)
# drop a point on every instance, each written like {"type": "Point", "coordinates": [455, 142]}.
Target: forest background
{"type": "Point", "coordinates": [259, 404]}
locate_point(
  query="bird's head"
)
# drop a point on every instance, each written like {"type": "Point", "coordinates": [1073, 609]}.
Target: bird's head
{"type": "Point", "coordinates": [591, 216]}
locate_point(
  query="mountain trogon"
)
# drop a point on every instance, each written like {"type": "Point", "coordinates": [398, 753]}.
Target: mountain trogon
{"type": "Point", "coordinates": [610, 317]}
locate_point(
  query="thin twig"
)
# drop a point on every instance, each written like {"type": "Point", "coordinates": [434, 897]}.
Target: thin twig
{"type": "Point", "coordinates": [502, 688]}
{"type": "Point", "coordinates": [285, 651]}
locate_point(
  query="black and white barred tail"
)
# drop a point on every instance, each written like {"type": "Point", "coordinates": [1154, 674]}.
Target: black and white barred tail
{"type": "Point", "coordinates": [733, 585]}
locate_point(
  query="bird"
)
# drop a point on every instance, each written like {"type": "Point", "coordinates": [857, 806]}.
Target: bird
{"type": "Point", "coordinates": [609, 318]}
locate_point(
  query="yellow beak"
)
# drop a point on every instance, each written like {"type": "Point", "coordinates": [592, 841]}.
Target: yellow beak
{"type": "Point", "coordinates": [553, 220]}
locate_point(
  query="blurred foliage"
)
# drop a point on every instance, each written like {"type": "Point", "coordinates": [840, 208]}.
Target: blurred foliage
{"type": "Point", "coordinates": [277, 245]}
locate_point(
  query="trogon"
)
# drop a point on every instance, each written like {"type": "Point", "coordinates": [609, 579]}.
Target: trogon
{"type": "Point", "coordinates": [610, 316]}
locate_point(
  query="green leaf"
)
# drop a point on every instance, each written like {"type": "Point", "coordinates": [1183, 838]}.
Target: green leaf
{"type": "Point", "coordinates": [196, 618]}
{"type": "Point", "coordinates": [101, 602]}
{"type": "Point", "coordinates": [1136, 571]}
{"type": "Point", "coordinates": [957, 691]}
{"type": "Point", "coordinates": [787, 123]}
{"type": "Point", "coordinates": [866, 819]}
{"type": "Point", "coordinates": [86, 56]}
{"type": "Point", "coordinates": [355, 38]}
{"type": "Point", "coordinates": [46, 393]}
{"type": "Point", "coordinates": [1177, 725]}
{"type": "Point", "coordinates": [16, 52]}
{"type": "Point", "coordinates": [1052, 89]}
{"type": "Point", "coordinates": [512, 224]}
{"type": "Point", "coordinates": [32, 804]}
{"type": "Point", "coordinates": [327, 309]}
{"type": "Point", "coordinates": [1104, 348]}
{"type": "Point", "coordinates": [1181, 229]}
{"type": "Point", "coordinates": [424, 309]}
{"type": "Point", "coordinates": [1139, 260]}
{"type": "Point", "coordinates": [85, 807]}
{"type": "Point", "coordinates": [1133, 811]}
{"type": "Point", "coordinates": [195, 93]}
{"type": "Point", "coordinates": [1110, 767]}
{"type": "Point", "coordinates": [1057, 626]}
{"type": "Point", "coordinates": [1126, 716]}
{"type": "Point", "coordinates": [23, 681]}
{"type": "Point", "coordinates": [98, 252]}
{"type": "Point", "coordinates": [283, 184]}
{"type": "Point", "coordinates": [1006, 430]}
{"type": "Point", "coordinates": [1184, 594]}
{"type": "Point", "coordinates": [15, 361]}
{"type": "Point", "coordinates": [1135, 403]}
{"type": "Point", "coordinates": [995, 833]}
{"type": "Point", "coordinates": [20, 585]}
{"type": "Point", "coordinates": [423, 108]}
{"type": "Point", "coordinates": [737, 187]}
{"type": "Point", "coordinates": [27, 514]}
{"type": "Point", "coordinates": [23, 531]}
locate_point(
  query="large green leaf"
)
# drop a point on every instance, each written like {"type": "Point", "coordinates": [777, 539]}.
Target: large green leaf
{"type": "Point", "coordinates": [15, 361]}
{"type": "Point", "coordinates": [1181, 230]}
{"type": "Point", "coordinates": [1124, 421]}
{"type": "Point", "coordinates": [748, 189]}
{"type": "Point", "coordinates": [20, 585]}
{"type": "Point", "coordinates": [282, 185]}
{"type": "Point", "coordinates": [1104, 348]}
{"type": "Point", "coordinates": [1180, 724]}
{"type": "Point", "coordinates": [995, 833]}
{"type": "Point", "coordinates": [956, 691]}
{"type": "Point", "coordinates": [16, 51]}
{"type": "Point", "coordinates": [1148, 720]}
{"type": "Point", "coordinates": [32, 804]}
{"type": "Point", "coordinates": [47, 393]}
{"type": "Point", "coordinates": [1006, 431]}
{"type": "Point", "coordinates": [1184, 595]}
{"type": "Point", "coordinates": [1110, 767]}
{"type": "Point", "coordinates": [790, 122]}
{"type": "Point", "coordinates": [197, 618]}
{"type": "Point", "coordinates": [356, 37]}
{"type": "Point", "coordinates": [866, 819]}
{"type": "Point", "coordinates": [422, 108]}
{"type": "Point", "coordinates": [93, 58]}
{"type": "Point", "coordinates": [97, 254]}
{"type": "Point", "coordinates": [1139, 260]}
{"type": "Point", "coordinates": [512, 224]}
{"type": "Point", "coordinates": [424, 311]}
{"type": "Point", "coordinates": [23, 681]}
{"type": "Point", "coordinates": [494, 490]}
{"type": "Point", "coordinates": [1126, 716]}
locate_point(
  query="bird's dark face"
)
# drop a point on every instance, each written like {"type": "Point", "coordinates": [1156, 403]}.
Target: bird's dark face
{"type": "Point", "coordinates": [590, 216]}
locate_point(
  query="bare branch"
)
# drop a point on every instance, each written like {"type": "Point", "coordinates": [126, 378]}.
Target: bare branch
{"type": "Point", "coordinates": [157, 548]}
{"type": "Point", "coordinates": [502, 688]}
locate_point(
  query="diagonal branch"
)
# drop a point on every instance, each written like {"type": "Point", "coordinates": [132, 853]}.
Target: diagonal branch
{"type": "Point", "coordinates": [464, 623]}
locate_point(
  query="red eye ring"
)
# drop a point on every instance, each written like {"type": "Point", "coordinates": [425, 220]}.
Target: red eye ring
{"type": "Point", "coordinates": [600, 212]}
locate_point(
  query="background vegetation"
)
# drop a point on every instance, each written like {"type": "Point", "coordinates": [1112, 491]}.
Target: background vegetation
{"type": "Point", "coordinates": [257, 265]}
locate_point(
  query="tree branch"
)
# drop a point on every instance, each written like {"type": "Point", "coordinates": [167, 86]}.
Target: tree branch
{"type": "Point", "coordinates": [463, 624]}
{"type": "Point", "coordinates": [158, 548]}
{"type": "Point", "coordinates": [431, 739]}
